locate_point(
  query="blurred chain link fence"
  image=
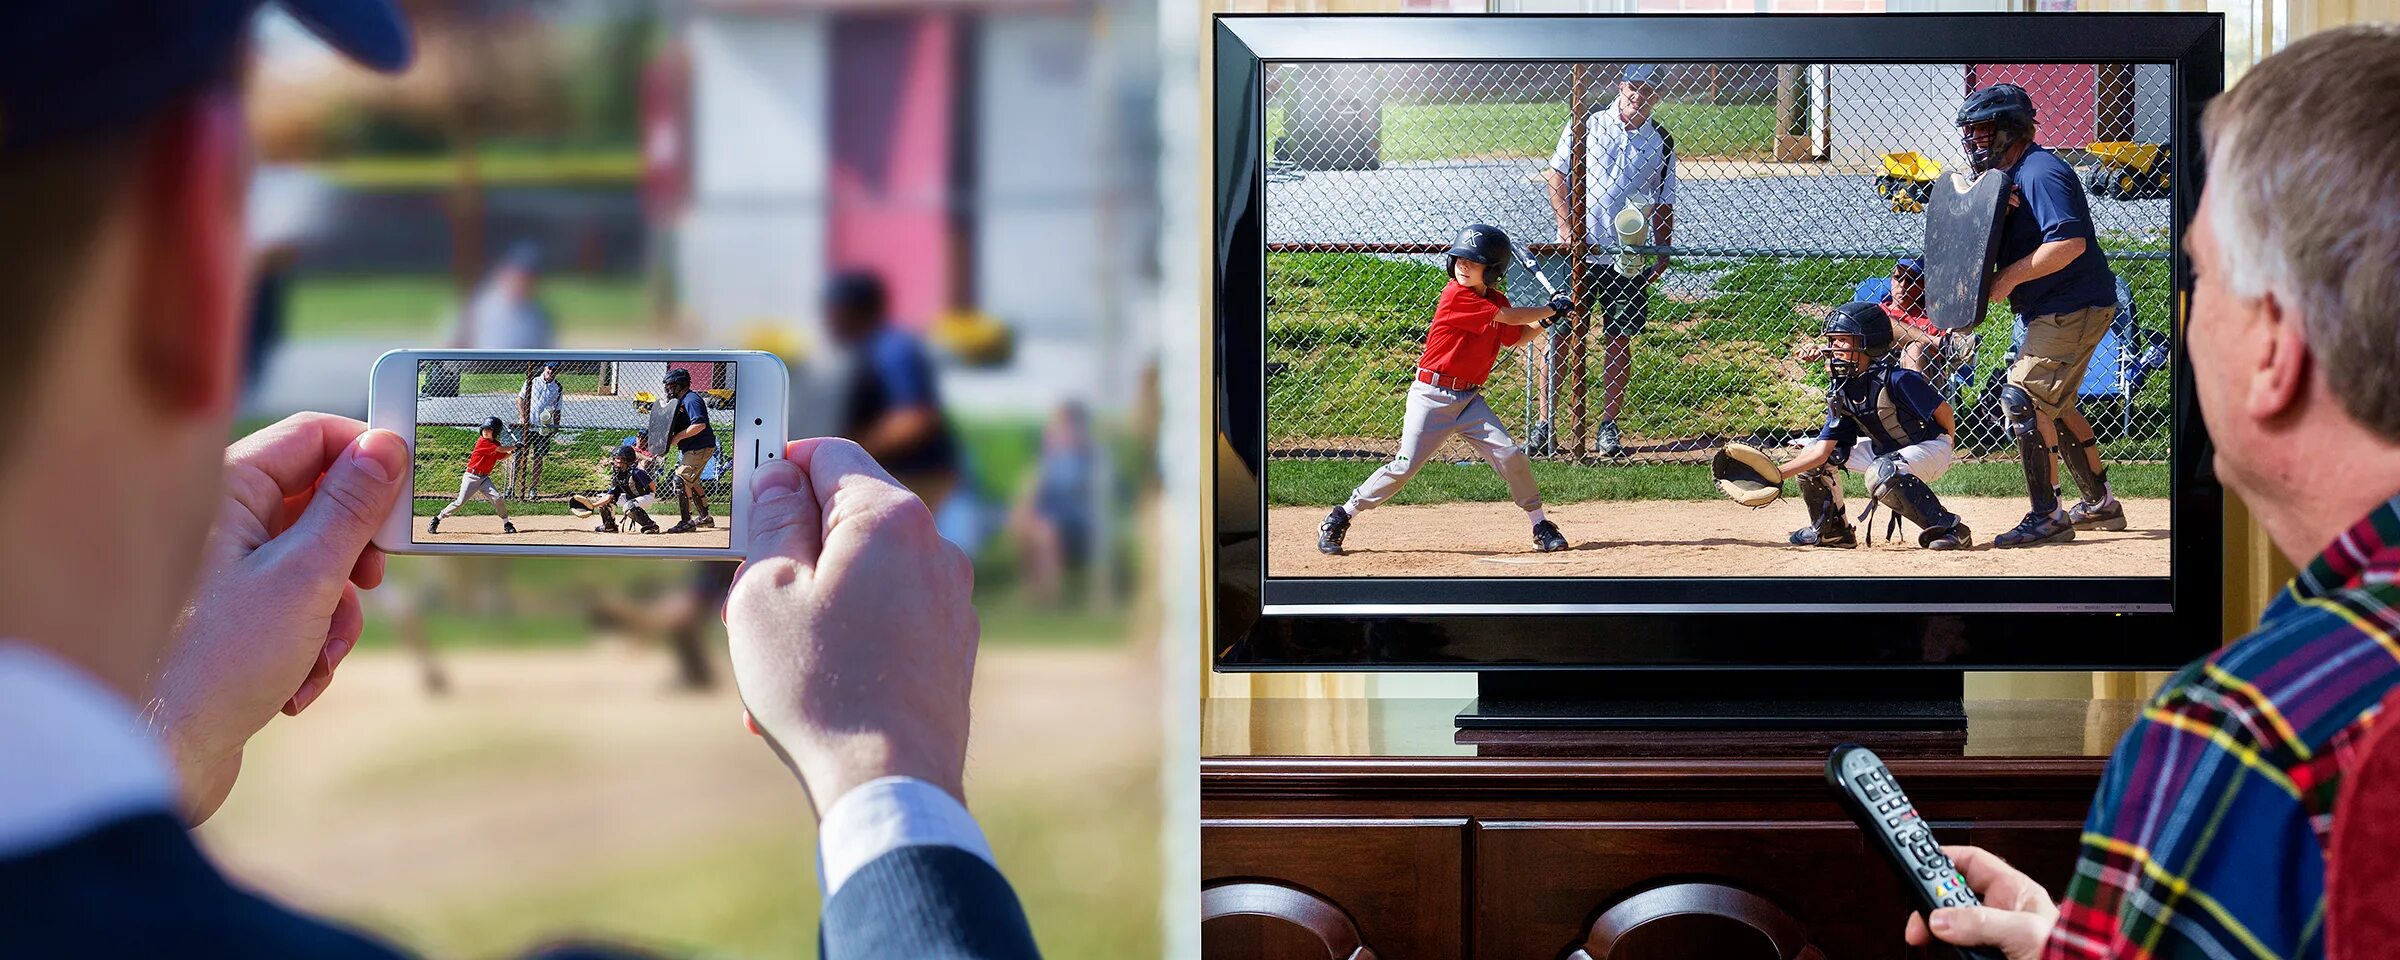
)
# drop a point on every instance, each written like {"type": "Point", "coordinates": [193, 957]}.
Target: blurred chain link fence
{"type": "Point", "coordinates": [601, 405]}
{"type": "Point", "coordinates": [1797, 186]}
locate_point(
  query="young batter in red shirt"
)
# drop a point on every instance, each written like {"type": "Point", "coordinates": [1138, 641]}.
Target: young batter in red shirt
{"type": "Point", "coordinates": [1470, 325]}
{"type": "Point", "coordinates": [478, 477]}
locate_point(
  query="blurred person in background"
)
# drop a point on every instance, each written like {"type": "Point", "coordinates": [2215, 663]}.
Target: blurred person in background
{"type": "Point", "coordinates": [893, 406]}
{"type": "Point", "coordinates": [1052, 522]}
{"type": "Point", "coordinates": [147, 642]}
{"type": "Point", "coordinates": [506, 312]}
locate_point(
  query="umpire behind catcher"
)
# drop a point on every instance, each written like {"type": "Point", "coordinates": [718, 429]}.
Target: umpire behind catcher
{"type": "Point", "coordinates": [2056, 279]}
{"type": "Point", "coordinates": [210, 588]}
{"type": "Point", "coordinates": [695, 444]}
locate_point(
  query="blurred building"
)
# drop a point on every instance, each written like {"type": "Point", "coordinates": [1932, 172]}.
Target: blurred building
{"type": "Point", "coordinates": [989, 156]}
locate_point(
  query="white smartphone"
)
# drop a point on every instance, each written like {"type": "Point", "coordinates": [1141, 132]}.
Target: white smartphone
{"type": "Point", "coordinates": [633, 453]}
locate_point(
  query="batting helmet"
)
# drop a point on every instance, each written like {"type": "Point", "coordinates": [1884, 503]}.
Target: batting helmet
{"type": "Point", "coordinates": [493, 426]}
{"type": "Point", "coordinates": [678, 377]}
{"type": "Point", "coordinates": [1484, 244]}
{"type": "Point", "coordinates": [1863, 320]}
{"type": "Point", "coordinates": [2008, 108]}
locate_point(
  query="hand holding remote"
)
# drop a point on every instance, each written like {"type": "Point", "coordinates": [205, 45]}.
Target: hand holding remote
{"type": "Point", "coordinates": [2016, 915]}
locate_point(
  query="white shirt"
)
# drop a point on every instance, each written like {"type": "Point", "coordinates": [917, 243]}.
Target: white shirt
{"type": "Point", "coordinates": [542, 396]}
{"type": "Point", "coordinates": [1617, 164]}
{"type": "Point", "coordinates": [74, 756]}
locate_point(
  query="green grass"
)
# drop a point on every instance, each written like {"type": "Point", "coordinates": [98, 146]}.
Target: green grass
{"type": "Point", "coordinates": [423, 305]}
{"type": "Point", "coordinates": [1348, 329]}
{"type": "Point", "coordinates": [1415, 132]}
{"type": "Point", "coordinates": [1323, 482]}
{"type": "Point", "coordinates": [494, 167]}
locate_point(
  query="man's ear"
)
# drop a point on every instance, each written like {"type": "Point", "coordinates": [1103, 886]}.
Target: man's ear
{"type": "Point", "coordinates": [2281, 371]}
{"type": "Point", "coordinates": [192, 302]}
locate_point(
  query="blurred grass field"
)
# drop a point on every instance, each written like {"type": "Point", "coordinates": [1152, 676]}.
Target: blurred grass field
{"type": "Point", "coordinates": [421, 306]}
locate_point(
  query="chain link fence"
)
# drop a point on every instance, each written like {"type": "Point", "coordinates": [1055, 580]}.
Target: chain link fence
{"type": "Point", "coordinates": [1795, 188]}
{"type": "Point", "coordinates": [569, 425]}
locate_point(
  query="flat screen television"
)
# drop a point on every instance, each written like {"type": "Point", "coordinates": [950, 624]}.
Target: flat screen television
{"type": "Point", "coordinates": [1780, 167]}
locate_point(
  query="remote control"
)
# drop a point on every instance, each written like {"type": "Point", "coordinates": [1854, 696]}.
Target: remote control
{"type": "Point", "coordinates": [1875, 801]}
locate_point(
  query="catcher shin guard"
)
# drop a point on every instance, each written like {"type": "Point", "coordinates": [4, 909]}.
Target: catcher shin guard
{"type": "Point", "coordinates": [608, 521]}
{"type": "Point", "coordinates": [641, 519]}
{"type": "Point", "coordinates": [1822, 492]}
{"type": "Point", "coordinates": [1912, 499]}
{"type": "Point", "coordinates": [2041, 484]}
{"type": "Point", "coordinates": [2082, 457]}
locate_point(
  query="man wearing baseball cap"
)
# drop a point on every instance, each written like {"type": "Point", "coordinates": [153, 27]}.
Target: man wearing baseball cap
{"type": "Point", "coordinates": [190, 591]}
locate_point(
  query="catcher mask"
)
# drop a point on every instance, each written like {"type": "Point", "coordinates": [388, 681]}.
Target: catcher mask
{"type": "Point", "coordinates": [1868, 330]}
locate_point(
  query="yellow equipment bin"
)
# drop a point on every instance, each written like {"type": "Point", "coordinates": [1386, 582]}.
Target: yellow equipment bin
{"type": "Point", "coordinates": [1907, 180]}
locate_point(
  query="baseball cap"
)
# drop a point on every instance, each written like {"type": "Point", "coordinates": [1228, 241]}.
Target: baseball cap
{"type": "Point", "coordinates": [83, 68]}
{"type": "Point", "coordinates": [1640, 73]}
{"type": "Point", "coordinates": [1915, 265]}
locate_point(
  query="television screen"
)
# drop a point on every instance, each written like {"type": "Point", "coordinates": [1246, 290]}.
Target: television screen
{"type": "Point", "coordinates": [1823, 346]}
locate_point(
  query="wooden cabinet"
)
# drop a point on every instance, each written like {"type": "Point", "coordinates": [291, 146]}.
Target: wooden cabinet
{"type": "Point", "coordinates": [1626, 855]}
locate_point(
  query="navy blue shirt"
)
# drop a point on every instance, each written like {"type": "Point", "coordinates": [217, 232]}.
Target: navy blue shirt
{"type": "Point", "coordinates": [1889, 405]}
{"type": "Point", "coordinates": [690, 410]}
{"type": "Point", "coordinates": [895, 373]}
{"type": "Point", "coordinates": [2052, 207]}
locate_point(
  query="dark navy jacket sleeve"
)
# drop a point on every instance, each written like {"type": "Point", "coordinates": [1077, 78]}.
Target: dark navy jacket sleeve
{"type": "Point", "coordinates": [2055, 200]}
{"type": "Point", "coordinates": [137, 887]}
{"type": "Point", "coordinates": [1918, 396]}
{"type": "Point", "coordinates": [927, 903]}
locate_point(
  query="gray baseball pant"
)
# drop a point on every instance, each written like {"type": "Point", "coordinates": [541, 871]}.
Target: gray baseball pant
{"type": "Point", "coordinates": [1435, 415]}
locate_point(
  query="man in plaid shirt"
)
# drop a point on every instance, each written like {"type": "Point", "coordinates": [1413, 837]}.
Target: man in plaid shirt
{"type": "Point", "coordinates": [2208, 838]}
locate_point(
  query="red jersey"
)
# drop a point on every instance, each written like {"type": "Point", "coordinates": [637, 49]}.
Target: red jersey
{"type": "Point", "coordinates": [487, 454]}
{"type": "Point", "coordinates": [1465, 339]}
{"type": "Point", "coordinates": [1917, 320]}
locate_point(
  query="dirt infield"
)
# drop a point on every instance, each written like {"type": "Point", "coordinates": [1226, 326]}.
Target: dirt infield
{"type": "Point", "coordinates": [1673, 538]}
{"type": "Point", "coordinates": [556, 530]}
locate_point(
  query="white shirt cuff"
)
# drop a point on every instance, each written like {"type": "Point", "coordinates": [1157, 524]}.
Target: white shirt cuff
{"type": "Point", "coordinates": [883, 815]}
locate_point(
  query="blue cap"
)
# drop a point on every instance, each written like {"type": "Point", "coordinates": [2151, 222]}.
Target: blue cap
{"type": "Point", "coordinates": [1640, 73]}
{"type": "Point", "coordinates": [1915, 265]}
{"type": "Point", "coordinates": [87, 67]}
{"type": "Point", "coordinates": [523, 255]}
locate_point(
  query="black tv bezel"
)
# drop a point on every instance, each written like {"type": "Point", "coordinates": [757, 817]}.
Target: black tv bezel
{"type": "Point", "coordinates": [1482, 624]}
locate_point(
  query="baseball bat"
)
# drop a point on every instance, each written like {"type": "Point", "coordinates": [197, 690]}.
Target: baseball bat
{"type": "Point", "coordinates": [1534, 266]}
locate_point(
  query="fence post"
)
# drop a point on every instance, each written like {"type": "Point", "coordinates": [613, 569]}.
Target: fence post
{"type": "Point", "coordinates": [1581, 327]}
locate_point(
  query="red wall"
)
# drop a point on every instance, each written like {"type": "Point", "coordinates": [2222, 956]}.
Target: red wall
{"type": "Point", "coordinates": [2065, 97]}
{"type": "Point", "coordinates": [893, 125]}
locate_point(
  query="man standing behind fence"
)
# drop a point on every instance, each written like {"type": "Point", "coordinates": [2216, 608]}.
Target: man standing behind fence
{"type": "Point", "coordinates": [1628, 161]}
{"type": "Point", "coordinates": [538, 403]}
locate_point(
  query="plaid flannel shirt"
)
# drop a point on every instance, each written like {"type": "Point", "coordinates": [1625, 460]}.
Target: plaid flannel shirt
{"type": "Point", "coordinates": [2208, 837]}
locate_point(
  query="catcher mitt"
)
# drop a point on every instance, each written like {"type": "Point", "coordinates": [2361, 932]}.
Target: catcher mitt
{"type": "Point", "coordinates": [580, 504]}
{"type": "Point", "coordinates": [1746, 474]}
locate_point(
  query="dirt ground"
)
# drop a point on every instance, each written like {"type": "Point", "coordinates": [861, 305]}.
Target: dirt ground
{"type": "Point", "coordinates": [470, 526]}
{"type": "Point", "coordinates": [1671, 538]}
{"type": "Point", "coordinates": [461, 824]}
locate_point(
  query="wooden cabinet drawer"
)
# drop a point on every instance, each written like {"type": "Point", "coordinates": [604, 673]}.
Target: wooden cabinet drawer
{"type": "Point", "coordinates": [1539, 885]}
{"type": "Point", "coordinates": [1401, 882]}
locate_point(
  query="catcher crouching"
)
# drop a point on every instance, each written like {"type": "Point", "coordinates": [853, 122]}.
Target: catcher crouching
{"type": "Point", "coordinates": [629, 486]}
{"type": "Point", "coordinates": [1883, 421]}
{"type": "Point", "coordinates": [1471, 324]}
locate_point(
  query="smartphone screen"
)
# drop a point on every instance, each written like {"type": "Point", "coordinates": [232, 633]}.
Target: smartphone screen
{"type": "Point", "coordinates": [542, 451]}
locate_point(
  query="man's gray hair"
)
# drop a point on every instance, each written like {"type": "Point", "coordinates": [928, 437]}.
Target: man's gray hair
{"type": "Point", "coordinates": [2304, 193]}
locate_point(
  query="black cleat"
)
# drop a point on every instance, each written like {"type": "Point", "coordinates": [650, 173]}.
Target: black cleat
{"type": "Point", "coordinates": [1956, 538]}
{"type": "Point", "coordinates": [1609, 443]}
{"type": "Point", "coordinates": [1547, 539]}
{"type": "Point", "coordinates": [1846, 537]}
{"type": "Point", "coordinates": [2037, 528]}
{"type": "Point", "coordinates": [434, 525]}
{"type": "Point", "coordinates": [684, 527]}
{"type": "Point", "coordinates": [507, 527]}
{"type": "Point", "coordinates": [2097, 516]}
{"type": "Point", "coordinates": [704, 522]}
{"type": "Point", "coordinates": [1331, 532]}
{"type": "Point", "coordinates": [605, 528]}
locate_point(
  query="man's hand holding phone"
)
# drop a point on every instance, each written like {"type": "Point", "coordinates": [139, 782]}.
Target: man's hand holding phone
{"type": "Point", "coordinates": [852, 627]}
{"type": "Point", "coordinates": [2016, 917]}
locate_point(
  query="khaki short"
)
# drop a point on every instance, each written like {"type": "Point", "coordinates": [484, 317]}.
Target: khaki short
{"type": "Point", "coordinates": [693, 461]}
{"type": "Point", "coordinates": [2058, 349]}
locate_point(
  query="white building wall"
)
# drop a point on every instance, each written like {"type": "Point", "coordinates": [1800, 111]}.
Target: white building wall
{"type": "Point", "coordinates": [752, 249]}
{"type": "Point", "coordinates": [1039, 165]}
{"type": "Point", "coordinates": [1880, 109]}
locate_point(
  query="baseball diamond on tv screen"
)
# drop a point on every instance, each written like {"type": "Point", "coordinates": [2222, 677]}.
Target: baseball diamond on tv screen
{"type": "Point", "coordinates": [1689, 319]}
{"type": "Point", "coordinates": [574, 452]}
